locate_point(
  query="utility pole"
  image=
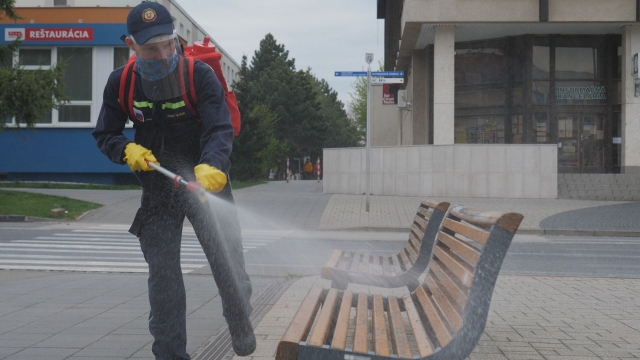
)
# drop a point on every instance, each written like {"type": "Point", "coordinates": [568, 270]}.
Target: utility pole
{"type": "Point", "coordinates": [369, 60]}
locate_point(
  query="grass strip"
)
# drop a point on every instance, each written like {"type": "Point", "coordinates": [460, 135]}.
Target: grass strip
{"type": "Point", "coordinates": [39, 205]}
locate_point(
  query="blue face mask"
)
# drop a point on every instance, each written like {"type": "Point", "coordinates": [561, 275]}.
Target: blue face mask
{"type": "Point", "coordinates": [153, 70]}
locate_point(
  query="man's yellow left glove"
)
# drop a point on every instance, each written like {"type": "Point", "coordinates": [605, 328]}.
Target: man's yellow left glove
{"type": "Point", "coordinates": [210, 178]}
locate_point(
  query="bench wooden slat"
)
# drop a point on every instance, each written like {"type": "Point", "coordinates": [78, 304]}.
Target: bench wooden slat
{"type": "Point", "coordinates": [332, 263]}
{"type": "Point", "coordinates": [486, 219]}
{"type": "Point", "coordinates": [360, 341]}
{"type": "Point", "coordinates": [413, 256]}
{"type": "Point", "coordinates": [396, 265]}
{"type": "Point", "coordinates": [415, 240]}
{"type": "Point", "coordinates": [346, 260]}
{"type": "Point", "coordinates": [421, 223]}
{"type": "Point", "coordinates": [379, 327]}
{"type": "Point", "coordinates": [475, 234]}
{"type": "Point", "coordinates": [320, 331]}
{"type": "Point", "coordinates": [387, 267]}
{"type": "Point", "coordinates": [365, 265]}
{"type": "Point", "coordinates": [404, 260]}
{"type": "Point", "coordinates": [425, 348]}
{"type": "Point", "coordinates": [339, 340]}
{"type": "Point", "coordinates": [435, 319]}
{"type": "Point", "coordinates": [457, 293]}
{"type": "Point", "coordinates": [355, 264]}
{"type": "Point", "coordinates": [376, 266]}
{"type": "Point", "coordinates": [467, 251]}
{"type": "Point", "coordinates": [399, 339]}
{"type": "Point", "coordinates": [449, 311]}
{"type": "Point", "coordinates": [456, 266]}
{"type": "Point", "coordinates": [300, 325]}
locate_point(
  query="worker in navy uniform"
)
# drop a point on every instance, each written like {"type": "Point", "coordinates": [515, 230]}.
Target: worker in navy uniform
{"type": "Point", "coordinates": [198, 148]}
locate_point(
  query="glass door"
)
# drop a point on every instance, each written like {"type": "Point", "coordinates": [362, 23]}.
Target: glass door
{"type": "Point", "coordinates": [581, 143]}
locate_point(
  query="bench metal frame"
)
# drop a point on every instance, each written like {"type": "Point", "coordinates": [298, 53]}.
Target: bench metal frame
{"type": "Point", "coordinates": [340, 278]}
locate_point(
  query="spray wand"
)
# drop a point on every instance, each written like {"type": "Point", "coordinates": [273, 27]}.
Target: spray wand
{"type": "Point", "coordinates": [178, 180]}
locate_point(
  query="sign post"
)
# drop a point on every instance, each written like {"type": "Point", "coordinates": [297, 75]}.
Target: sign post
{"type": "Point", "coordinates": [369, 59]}
{"type": "Point", "coordinates": [373, 78]}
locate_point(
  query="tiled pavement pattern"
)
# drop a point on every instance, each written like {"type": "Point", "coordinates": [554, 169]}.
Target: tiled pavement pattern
{"type": "Point", "coordinates": [349, 211]}
{"type": "Point", "coordinates": [532, 318]}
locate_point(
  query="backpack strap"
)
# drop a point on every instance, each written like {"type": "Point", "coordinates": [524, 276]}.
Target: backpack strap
{"type": "Point", "coordinates": [189, 97]}
{"type": "Point", "coordinates": [127, 82]}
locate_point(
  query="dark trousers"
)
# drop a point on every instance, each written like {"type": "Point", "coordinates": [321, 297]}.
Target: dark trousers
{"type": "Point", "coordinates": [158, 224]}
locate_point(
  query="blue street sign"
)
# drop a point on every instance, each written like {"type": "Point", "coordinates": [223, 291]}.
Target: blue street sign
{"type": "Point", "coordinates": [392, 74]}
{"type": "Point", "coordinates": [387, 73]}
{"type": "Point", "coordinates": [351, 73]}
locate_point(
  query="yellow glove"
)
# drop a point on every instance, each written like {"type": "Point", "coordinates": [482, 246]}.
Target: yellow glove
{"type": "Point", "coordinates": [210, 178]}
{"type": "Point", "coordinates": [135, 155]}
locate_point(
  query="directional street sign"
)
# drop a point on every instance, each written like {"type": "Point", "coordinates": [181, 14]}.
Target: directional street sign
{"type": "Point", "coordinates": [351, 73]}
{"type": "Point", "coordinates": [387, 81]}
{"type": "Point", "coordinates": [388, 73]}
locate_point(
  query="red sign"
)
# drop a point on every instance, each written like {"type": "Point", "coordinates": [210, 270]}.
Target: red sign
{"type": "Point", "coordinates": [59, 34]}
{"type": "Point", "coordinates": [389, 96]}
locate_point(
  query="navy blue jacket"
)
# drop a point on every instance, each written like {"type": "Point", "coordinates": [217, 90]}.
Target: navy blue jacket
{"type": "Point", "coordinates": [211, 138]}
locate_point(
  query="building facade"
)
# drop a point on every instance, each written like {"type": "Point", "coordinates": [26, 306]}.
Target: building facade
{"type": "Point", "coordinates": [520, 72]}
{"type": "Point", "coordinates": [86, 36]}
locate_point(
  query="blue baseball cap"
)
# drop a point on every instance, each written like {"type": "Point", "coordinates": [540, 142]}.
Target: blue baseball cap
{"type": "Point", "coordinates": [147, 20]}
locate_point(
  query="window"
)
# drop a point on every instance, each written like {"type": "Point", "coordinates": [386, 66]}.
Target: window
{"type": "Point", "coordinates": [35, 57]}
{"type": "Point", "coordinates": [59, 2]}
{"type": "Point", "coordinates": [120, 57]}
{"type": "Point", "coordinates": [188, 36]}
{"type": "Point", "coordinates": [78, 83]}
{"type": "Point", "coordinates": [181, 30]}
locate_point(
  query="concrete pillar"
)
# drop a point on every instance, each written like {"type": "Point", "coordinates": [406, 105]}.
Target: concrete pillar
{"type": "Point", "coordinates": [420, 90]}
{"type": "Point", "coordinates": [630, 103]}
{"type": "Point", "coordinates": [443, 85]}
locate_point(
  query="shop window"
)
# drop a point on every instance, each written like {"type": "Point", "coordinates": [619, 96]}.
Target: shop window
{"type": "Point", "coordinates": [35, 57]}
{"type": "Point", "coordinates": [575, 63]}
{"type": "Point", "coordinates": [516, 129]}
{"type": "Point", "coordinates": [479, 129]}
{"type": "Point", "coordinates": [480, 66]}
{"type": "Point", "coordinates": [78, 84]}
{"type": "Point", "coordinates": [541, 128]}
{"type": "Point", "coordinates": [120, 57]}
{"type": "Point", "coordinates": [541, 62]}
{"type": "Point", "coordinates": [541, 92]}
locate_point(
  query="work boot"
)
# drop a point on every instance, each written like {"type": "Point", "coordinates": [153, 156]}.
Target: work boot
{"type": "Point", "coordinates": [242, 337]}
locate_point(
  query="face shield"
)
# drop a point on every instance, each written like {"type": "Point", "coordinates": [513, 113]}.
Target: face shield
{"type": "Point", "coordinates": [158, 63]}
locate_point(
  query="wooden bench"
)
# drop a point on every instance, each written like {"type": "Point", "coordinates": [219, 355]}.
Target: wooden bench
{"type": "Point", "coordinates": [442, 319]}
{"type": "Point", "coordinates": [397, 270]}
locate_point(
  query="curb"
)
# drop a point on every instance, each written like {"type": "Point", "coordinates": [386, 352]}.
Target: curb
{"type": "Point", "coordinates": [566, 232]}
{"type": "Point", "coordinates": [574, 232]}
{"type": "Point", "coordinates": [23, 218]}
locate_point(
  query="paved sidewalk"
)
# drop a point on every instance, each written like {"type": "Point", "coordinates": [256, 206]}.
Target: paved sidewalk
{"type": "Point", "coordinates": [534, 318]}
{"type": "Point", "coordinates": [563, 318]}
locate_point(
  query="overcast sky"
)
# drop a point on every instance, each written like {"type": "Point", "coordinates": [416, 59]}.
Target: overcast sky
{"type": "Point", "coordinates": [327, 35]}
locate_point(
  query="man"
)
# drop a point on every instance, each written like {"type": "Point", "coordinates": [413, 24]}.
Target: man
{"type": "Point", "coordinates": [167, 133]}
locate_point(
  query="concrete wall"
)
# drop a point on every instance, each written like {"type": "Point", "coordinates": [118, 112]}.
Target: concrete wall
{"type": "Point", "coordinates": [443, 11]}
{"type": "Point", "coordinates": [620, 187]}
{"type": "Point", "coordinates": [483, 171]}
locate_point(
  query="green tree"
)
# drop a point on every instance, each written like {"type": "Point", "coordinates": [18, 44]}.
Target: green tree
{"type": "Point", "coordinates": [26, 95]}
{"type": "Point", "coordinates": [286, 113]}
{"type": "Point", "coordinates": [358, 105]}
